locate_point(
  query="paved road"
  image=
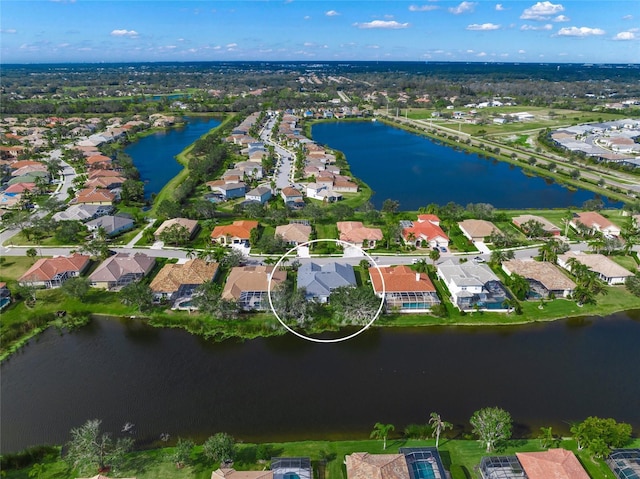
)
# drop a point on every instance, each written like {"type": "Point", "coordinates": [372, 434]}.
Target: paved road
{"type": "Point", "coordinates": [286, 158]}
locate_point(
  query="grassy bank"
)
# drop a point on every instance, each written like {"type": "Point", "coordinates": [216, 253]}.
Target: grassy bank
{"type": "Point", "coordinates": [459, 456]}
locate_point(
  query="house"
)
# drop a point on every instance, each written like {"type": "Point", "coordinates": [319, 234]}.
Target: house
{"type": "Point", "coordinates": [355, 233]}
{"type": "Point", "coordinates": [595, 222]}
{"type": "Point", "coordinates": [82, 212]}
{"type": "Point", "coordinates": [281, 468]}
{"type": "Point", "coordinates": [52, 272]}
{"type": "Point", "coordinates": [607, 270]}
{"type": "Point", "coordinates": [228, 191]}
{"type": "Point", "coordinates": [261, 194]}
{"type": "Point", "coordinates": [106, 182]}
{"type": "Point", "coordinates": [547, 226]}
{"type": "Point", "coordinates": [477, 230]}
{"type": "Point", "coordinates": [544, 278]}
{"type": "Point", "coordinates": [112, 225]}
{"type": "Point", "coordinates": [121, 269]}
{"type": "Point", "coordinates": [249, 285]}
{"type": "Point", "coordinates": [94, 196]}
{"type": "Point", "coordinates": [425, 233]}
{"type": "Point", "coordinates": [235, 233]}
{"type": "Point", "coordinates": [472, 285]}
{"type": "Point", "coordinates": [551, 464]}
{"type": "Point", "coordinates": [426, 460]}
{"type": "Point", "coordinates": [554, 463]}
{"type": "Point", "coordinates": [345, 186]}
{"type": "Point", "coordinates": [292, 197]}
{"type": "Point", "coordinates": [294, 233]}
{"type": "Point", "coordinates": [252, 169]}
{"type": "Point", "coordinates": [322, 192]}
{"type": "Point", "coordinates": [175, 281]}
{"type": "Point", "coordinates": [403, 290]}
{"type": "Point", "coordinates": [319, 280]}
{"type": "Point", "coordinates": [191, 226]}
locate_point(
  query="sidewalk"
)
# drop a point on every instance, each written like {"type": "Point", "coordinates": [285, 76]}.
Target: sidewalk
{"type": "Point", "coordinates": [137, 237]}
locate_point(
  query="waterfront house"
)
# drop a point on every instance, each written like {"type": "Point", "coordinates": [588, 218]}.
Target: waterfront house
{"type": "Point", "coordinates": [425, 233]}
{"type": "Point", "coordinates": [477, 230]}
{"type": "Point", "coordinates": [235, 233]}
{"type": "Point", "coordinates": [356, 234]}
{"type": "Point", "coordinates": [404, 290]}
{"type": "Point", "coordinates": [248, 285]}
{"type": "Point", "coordinates": [554, 463]}
{"type": "Point", "coordinates": [176, 281]}
{"type": "Point", "coordinates": [294, 233]}
{"type": "Point", "coordinates": [251, 169]}
{"type": "Point", "coordinates": [363, 465]}
{"type": "Point", "coordinates": [229, 191]}
{"type": "Point", "coordinates": [322, 192]}
{"type": "Point", "coordinates": [595, 223]}
{"type": "Point", "coordinates": [191, 226]}
{"type": "Point", "coordinates": [121, 269]}
{"type": "Point", "coordinates": [106, 182]}
{"type": "Point", "coordinates": [607, 270]}
{"type": "Point", "coordinates": [261, 194]}
{"type": "Point", "coordinates": [544, 278]}
{"type": "Point", "coordinates": [112, 225]}
{"type": "Point", "coordinates": [549, 228]}
{"type": "Point", "coordinates": [624, 463]}
{"type": "Point", "coordinates": [52, 272]}
{"type": "Point", "coordinates": [472, 285]}
{"type": "Point", "coordinates": [319, 280]}
{"type": "Point", "coordinates": [281, 468]}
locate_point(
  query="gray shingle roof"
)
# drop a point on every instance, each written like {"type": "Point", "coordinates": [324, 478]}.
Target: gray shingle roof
{"type": "Point", "coordinates": [320, 280]}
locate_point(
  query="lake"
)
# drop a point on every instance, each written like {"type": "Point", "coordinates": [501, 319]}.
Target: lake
{"type": "Point", "coordinates": [154, 155]}
{"type": "Point", "coordinates": [168, 381]}
{"type": "Point", "coordinates": [417, 171]}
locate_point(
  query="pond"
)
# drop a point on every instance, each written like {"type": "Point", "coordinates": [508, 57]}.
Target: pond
{"type": "Point", "coordinates": [154, 155]}
{"type": "Point", "coordinates": [416, 171]}
{"type": "Point", "coordinates": [282, 388]}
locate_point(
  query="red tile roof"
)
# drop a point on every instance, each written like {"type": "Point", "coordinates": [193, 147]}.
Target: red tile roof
{"type": "Point", "coordinates": [46, 269]}
{"type": "Point", "coordinates": [425, 229]}
{"type": "Point", "coordinates": [399, 279]}
{"type": "Point", "coordinates": [551, 464]}
{"type": "Point", "coordinates": [355, 231]}
{"type": "Point", "coordinates": [239, 229]}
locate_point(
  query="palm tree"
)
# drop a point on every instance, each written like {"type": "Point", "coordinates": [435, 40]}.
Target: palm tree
{"type": "Point", "coordinates": [381, 431]}
{"type": "Point", "coordinates": [438, 426]}
{"type": "Point", "coordinates": [598, 244]}
{"type": "Point", "coordinates": [435, 256]}
{"type": "Point", "coordinates": [421, 266]}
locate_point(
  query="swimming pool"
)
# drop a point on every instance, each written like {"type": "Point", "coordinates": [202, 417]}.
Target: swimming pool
{"type": "Point", "coordinates": [290, 475]}
{"type": "Point", "coordinates": [423, 470]}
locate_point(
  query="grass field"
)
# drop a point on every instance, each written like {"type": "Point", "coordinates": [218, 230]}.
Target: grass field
{"type": "Point", "coordinates": [461, 457]}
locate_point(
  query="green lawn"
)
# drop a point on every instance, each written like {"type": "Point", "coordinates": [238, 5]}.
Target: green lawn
{"type": "Point", "coordinates": [461, 457]}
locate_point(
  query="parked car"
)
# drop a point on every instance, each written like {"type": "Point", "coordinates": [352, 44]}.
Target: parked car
{"type": "Point", "coordinates": [443, 249]}
{"type": "Point", "coordinates": [478, 259]}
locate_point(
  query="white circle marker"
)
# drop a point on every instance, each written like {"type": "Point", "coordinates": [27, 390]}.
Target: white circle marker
{"type": "Point", "coordinates": [334, 340]}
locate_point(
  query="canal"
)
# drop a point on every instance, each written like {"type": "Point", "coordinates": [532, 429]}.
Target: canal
{"type": "Point", "coordinates": [168, 381]}
{"type": "Point", "coordinates": [416, 171]}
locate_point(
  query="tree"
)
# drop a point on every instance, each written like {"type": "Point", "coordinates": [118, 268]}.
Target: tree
{"type": "Point", "coordinates": [519, 286]}
{"type": "Point", "coordinates": [498, 256]}
{"type": "Point", "coordinates": [32, 253]}
{"type": "Point", "coordinates": [434, 254]}
{"type": "Point", "coordinates": [600, 435]}
{"type": "Point", "coordinates": [381, 431]}
{"type": "Point", "coordinates": [491, 425]}
{"type": "Point", "coordinates": [137, 294]}
{"type": "Point", "coordinates": [175, 234]}
{"type": "Point", "coordinates": [220, 447]}
{"type": "Point", "coordinates": [550, 250]}
{"type": "Point", "coordinates": [438, 426]}
{"type": "Point", "coordinates": [421, 266]}
{"type": "Point", "coordinates": [547, 438]}
{"type": "Point", "coordinates": [76, 287]}
{"type": "Point", "coordinates": [89, 450]}
{"type": "Point", "coordinates": [132, 191]}
{"type": "Point", "coordinates": [533, 229]}
{"type": "Point", "coordinates": [633, 284]}
{"type": "Point", "coordinates": [354, 306]}
{"type": "Point", "coordinates": [390, 206]}
{"type": "Point", "coordinates": [182, 452]}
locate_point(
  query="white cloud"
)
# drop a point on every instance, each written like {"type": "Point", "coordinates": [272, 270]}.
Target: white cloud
{"type": "Point", "coordinates": [391, 25]}
{"type": "Point", "coordinates": [464, 7]}
{"type": "Point", "coordinates": [483, 26]}
{"type": "Point", "coordinates": [373, 47]}
{"type": "Point", "coordinates": [481, 54]}
{"type": "Point", "coordinates": [307, 17]}
{"type": "Point", "coordinates": [541, 11]}
{"type": "Point", "coordinates": [546, 26]}
{"type": "Point", "coordinates": [562, 18]}
{"type": "Point", "coordinates": [521, 52]}
{"type": "Point", "coordinates": [331, 13]}
{"type": "Point", "coordinates": [500, 7]}
{"type": "Point", "coordinates": [10, 31]}
{"type": "Point", "coordinates": [469, 51]}
{"type": "Point", "coordinates": [422, 8]}
{"type": "Point", "coordinates": [124, 33]}
{"type": "Point", "coordinates": [628, 17]}
{"type": "Point", "coordinates": [231, 45]}
{"type": "Point", "coordinates": [625, 36]}
{"type": "Point", "coordinates": [580, 32]}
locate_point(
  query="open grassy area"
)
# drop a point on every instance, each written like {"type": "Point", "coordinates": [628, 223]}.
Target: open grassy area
{"type": "Point", "coordinates": [461, 457]}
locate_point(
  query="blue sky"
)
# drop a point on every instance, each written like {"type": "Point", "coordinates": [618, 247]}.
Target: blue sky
{"type": "Point", "coordinates": [591, 31]}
